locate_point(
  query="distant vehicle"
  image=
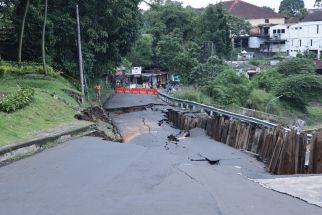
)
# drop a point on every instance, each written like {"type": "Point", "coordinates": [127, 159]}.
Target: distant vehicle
{"type": "Point", "coordinates": [175, 79]}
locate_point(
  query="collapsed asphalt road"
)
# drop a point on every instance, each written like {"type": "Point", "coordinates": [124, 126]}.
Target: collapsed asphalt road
{"type": "Point", "coordinates": [147, 174]}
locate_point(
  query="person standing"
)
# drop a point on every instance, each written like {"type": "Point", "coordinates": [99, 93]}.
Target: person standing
{"type": "Point", "coordinates": [98, 91]}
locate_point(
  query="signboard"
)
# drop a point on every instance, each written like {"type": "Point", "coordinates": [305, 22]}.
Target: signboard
{"type": "Point", "coordinates": [136, 71]}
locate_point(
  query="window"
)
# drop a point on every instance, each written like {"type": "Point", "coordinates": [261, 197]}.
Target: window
{"type": "Point", "coordinates": [266, 20]}
{"type": "Point", "coordinates": [278, 31]}
{"type": "Point", "coordinates": [274, 31]}
{"type": "Point", "coordinates": [292, 42]}
{"type": "Point", "coordinates": [300, 27]}
{"type": "Point", "coordinates": [300, 43]}
{"type": "Point", "coordinates": [311, 42]}
{"type": "Point", "coordinates": [296, 28]}
{"type": "Point", "coordinates": [317, 29]}
{"type": "Point", "coordinates": [283, 31]}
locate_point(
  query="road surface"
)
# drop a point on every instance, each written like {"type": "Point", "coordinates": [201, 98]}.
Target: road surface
{"type": "Point", "coordinates": [146, 175]}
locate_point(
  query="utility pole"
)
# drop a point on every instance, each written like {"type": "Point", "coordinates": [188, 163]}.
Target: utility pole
{"type": "Point", "coordinates": [80, 55]}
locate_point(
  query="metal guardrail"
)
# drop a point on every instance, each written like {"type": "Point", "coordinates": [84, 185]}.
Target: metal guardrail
{"type": "Point", "coordinates": [197, 106]}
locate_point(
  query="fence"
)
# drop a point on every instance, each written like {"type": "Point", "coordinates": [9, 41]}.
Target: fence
{"type": "Point", "coordinates": [283, 151]}
{"type": "Point", "coordinates": [119, 90]}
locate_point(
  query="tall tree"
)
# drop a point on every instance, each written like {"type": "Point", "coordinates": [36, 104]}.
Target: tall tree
{"type": "Point", "coordinates": [22, 30]}
{"type": "Point", "coordinates": [109, 29]}
{"type": "Point", "coordinates": [216, 29]}
{"type": "Point", "coordinates": [292, 8]}
{"type": "Point", "coordinates": [43, 50]}
{"type": "Point", "coordinates": [318, 3]}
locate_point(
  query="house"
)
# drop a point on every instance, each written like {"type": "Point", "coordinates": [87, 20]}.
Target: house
{"type": "Point", "coordinates": [261, 19]}
{"type": "Point", "coordinates": [298, 38]}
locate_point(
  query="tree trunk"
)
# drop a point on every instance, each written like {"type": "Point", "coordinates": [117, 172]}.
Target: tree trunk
{"type": "Point", "coordinates": [22, 30]}
{"type": "Point", "coordinates": [43, 38]}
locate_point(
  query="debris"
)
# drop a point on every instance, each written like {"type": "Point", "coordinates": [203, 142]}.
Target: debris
{"type": "Point", "coordinates": [211, 162]}
{"type": "Point", "coordinates": [184, 134]}
{"type": "Point", "coordinates": [173, 138]}
{"type": "Point", "coordinates": [162, 121]}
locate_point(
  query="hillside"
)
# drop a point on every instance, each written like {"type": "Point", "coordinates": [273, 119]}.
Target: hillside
{"type": "Point", "coordinates": [53, 104]}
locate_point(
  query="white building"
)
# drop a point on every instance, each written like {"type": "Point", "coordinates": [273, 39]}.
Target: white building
{"type": "Point", "coordinates": [297, 38]}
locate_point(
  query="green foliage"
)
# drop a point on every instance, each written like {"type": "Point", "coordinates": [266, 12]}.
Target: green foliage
{"type": "Point", "coordinates": [17, 100]}
{"type": "Point", "coordinates": [238, 26]}
{"type": "Point", "coordinates": [108, 29]}
{"type": "Point", "coordinates": [257, 62]}
{"type": "Point", "coordinates": [168, 48]}
{"type": "Point", "coordinates": [318, 3]}
{"type": "Point", "coordinates": [193, 94]}
{"type": "Point", "coordinates": [297, 90]}
{"type": "Point", "coordinates": [292, 8]}
{"type": "Point", "coordinates": [203, 72]}
{"type": "Point", "coordinates": [296, 66]}
{"type": "Point", "coordinates": [11, 69]}
{"type": "Point", "coordinates": [307, 54]}
{"type": "Point", "coordinates": [142, 53]}
{"type": "Point", "coordinates": [228, 88]}
{"type": "Point", "coordinates": [6, 12]}
{"type": "Point", "coordinates": [215, 28]}
{"type": "Point", "coordinates": [258, 99]}
{"type": "Point", "coordinates": [266, 80]}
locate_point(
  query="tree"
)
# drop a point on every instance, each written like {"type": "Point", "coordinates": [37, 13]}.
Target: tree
{"type": "Point", "coordinates": [22, 30]}
{"type": "Point", "coordinates": [215, 28]}
{"type": "Point", "coordinates": [43, 38]}
{"type": "Point", "coordinates": [168, 48]}
{"type": "Point", "coordinates": [141, 54]}
{"type": "Point", "coordinates": [296, 66]}
{"type": "Point", "coordinates": [292, 8]}
{"type": "Point", "coordinates": [297, 90]}
{"type": "Point", "coordinates": [109, 29]}
{"type": "Point", "coordinates": [318, 3]}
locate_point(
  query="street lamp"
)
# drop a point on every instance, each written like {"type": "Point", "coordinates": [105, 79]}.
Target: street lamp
{"type": "Point", "coordinates": [274, 99]}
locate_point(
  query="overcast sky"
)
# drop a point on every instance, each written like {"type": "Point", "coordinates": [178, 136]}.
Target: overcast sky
{"type": "Point", "coordinates": [271, 3]}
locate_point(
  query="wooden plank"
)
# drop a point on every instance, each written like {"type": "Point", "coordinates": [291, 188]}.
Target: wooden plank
{"type": "Point", "coordinates": [251, 137]}
{"type": "Point", "coordinates": [315, 163]}
{"type": "Point", "coordinates": [224, 132]}
{"type": "Point", "coordinates": [231, 133]}
{"type": "Point", "coordinates": [274, 162]}
{"type": "Point", "coordinates": [300, 151]}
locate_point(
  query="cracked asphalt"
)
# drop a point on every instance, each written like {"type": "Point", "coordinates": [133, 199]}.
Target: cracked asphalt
{"type": "Point", "coordinates": [145, 175]}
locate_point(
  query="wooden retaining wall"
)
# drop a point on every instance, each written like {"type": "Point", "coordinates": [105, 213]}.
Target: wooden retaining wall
{"type": "Point", "coordinates": [282, 151]}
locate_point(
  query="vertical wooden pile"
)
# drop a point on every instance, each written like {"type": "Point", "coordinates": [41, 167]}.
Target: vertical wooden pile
{"type": "Point", "coordinates": [315, 162]}
{"type": "Point", "coordinates": [289, 154]}
{"type": "Point", "coordinates": [284, 152]}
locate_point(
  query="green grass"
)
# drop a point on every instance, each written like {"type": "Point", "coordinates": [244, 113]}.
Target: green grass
{"type": "Point", "coordinates": [314, 117]}
{"type": "Point", "coordinates": [44, 112]}
{"type": "Point", "coordinates": [193, 94]}
{"type": "Point", "coordinates": [50, 86]}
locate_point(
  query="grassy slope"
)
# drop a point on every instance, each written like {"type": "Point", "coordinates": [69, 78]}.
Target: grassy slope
{"type": "Point", "coordinates": [44, 112]}
{"type": "Point", "coordinates": [313, 117]}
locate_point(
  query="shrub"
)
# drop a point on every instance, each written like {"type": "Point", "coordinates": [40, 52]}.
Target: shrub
{"type": "Point", "coordinates": [297, 90]}
{"type": "Point", "coordinates": [257, 62]}
{"type": "Point", "coordinates": [193, 94]}
{"type": "Point", "coordinates": [228, 88]}
{"type": "Point", "coordinates": [296, 66]}
{"type": "Point", "coordinates": [8, 69]}
{"type": "Point", "coordinates": [17, 100]}
{"type": "Point", "coordinates": [258, 100]}
{"type": "Point", "coordinates": [266, 80]}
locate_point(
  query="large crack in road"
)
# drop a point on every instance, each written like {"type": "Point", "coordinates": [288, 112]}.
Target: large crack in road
{"type": "Point", "coordinates": [140, 176]}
